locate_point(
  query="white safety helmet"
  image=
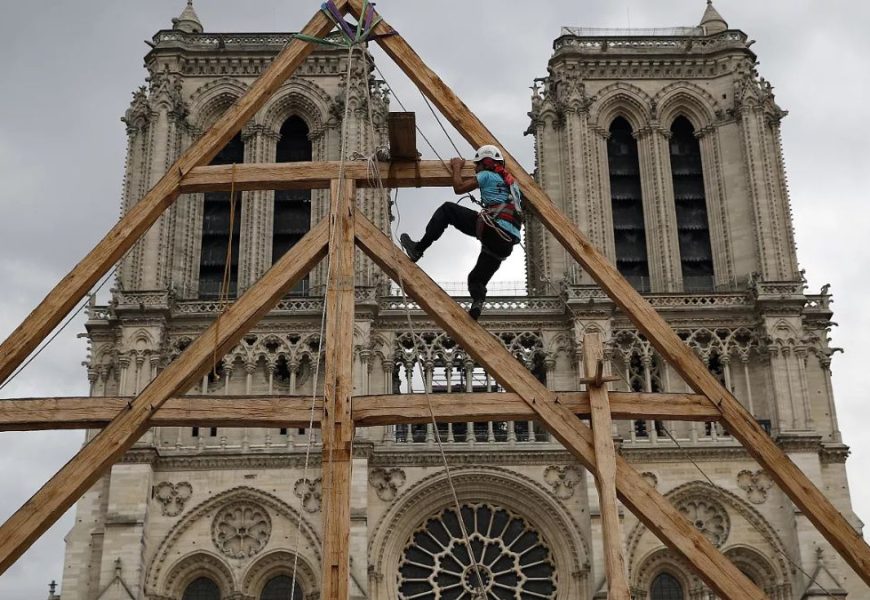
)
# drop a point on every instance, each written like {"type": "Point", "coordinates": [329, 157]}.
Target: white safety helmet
{"type": "Point", "coordinates": [488, 151]}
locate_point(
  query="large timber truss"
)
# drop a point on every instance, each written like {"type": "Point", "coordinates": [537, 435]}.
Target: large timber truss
{"type": "Point", "coordinates": [124, 421]}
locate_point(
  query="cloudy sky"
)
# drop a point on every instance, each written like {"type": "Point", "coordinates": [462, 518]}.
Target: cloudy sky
{"type": "Point", "coordinates": [69, 68]}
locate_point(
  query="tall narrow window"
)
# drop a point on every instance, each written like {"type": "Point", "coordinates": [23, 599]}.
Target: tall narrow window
{"type": "Point", "coordinates": [216, 235]}
{"type": "Point", "coordinates": [292, 217]}
{"type": "Point", "coordinates": [696, 255]}
{"type": "Point", "coordinates": [202, 588]}
{"type": "Point", "coordinates": [627, 204]}
{"type": "Point", "coordinates": [666, 587]}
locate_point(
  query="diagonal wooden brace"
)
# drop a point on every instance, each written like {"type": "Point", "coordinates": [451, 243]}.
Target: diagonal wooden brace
{"type": "Point", "coordinates": [656, 512]}
{"type": "Point", "coordinates": [72, 288]}
{"type": "Point", "coordinates": [83, 470]}
{"type": "Point", "coordinates": [740, 423]}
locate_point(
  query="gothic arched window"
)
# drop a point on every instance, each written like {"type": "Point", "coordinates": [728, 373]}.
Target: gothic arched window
{"type": "Point", "coordinates": [666, 587]}
{"type": "Point", "coordinates": [693, 227]}
{"type": "Point", "coordinates": [511, 559]}
{"type": "Point", "coordinates": [292, 216]}
{"type": "Point", "coordinates": [202, 588]}
{"type": "Point", "coordinates": [280, 588]}
{"type": "Point", "coordinates": [627, 205]}
{"type": "Point", "coordinates": [216, 221]}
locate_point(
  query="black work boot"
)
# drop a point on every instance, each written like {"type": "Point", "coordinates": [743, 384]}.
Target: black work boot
{"type": "Point", "coordinates": [410, 247]}
{"type": "Point", "coordinates": [476, 309]}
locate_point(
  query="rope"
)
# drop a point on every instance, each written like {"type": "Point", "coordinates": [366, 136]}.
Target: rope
{"type": "Point", "coordinates": [487, 219]}
{"type": "Point", "coordinates": [310, 440]}
{"type": "Point", "coordinates": [419, 130]}
{"type": "Point", "coordinates": [689, 457]}
{"type": "Point", "coordinates": [223, 293]}
{"type": "Point", "coordinates": [385, 196]}
{"type": "Point", "coordinates": [69, 320]}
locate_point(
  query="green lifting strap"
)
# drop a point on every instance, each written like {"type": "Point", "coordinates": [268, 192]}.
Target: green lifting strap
{"type": "Point", "coordinates": [351, 35]}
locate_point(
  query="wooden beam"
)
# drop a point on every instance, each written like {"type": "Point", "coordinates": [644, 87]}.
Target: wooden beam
{"type": "Point", "coordinates": [740, 423]}
{"type": "Point", "coordinates": [402, 128]}
{"type": "Point", "coordinates": [207, 411]}
{"type": "Point", "coordinates": [605, 469]}
{"type": "Point", "coordinates": [80, 473]}
{"type": "Point", "coordinates": [32, 414]}
{"type": "Point", "coordinates": [316, 175]}
{"type": "Point", "coordinates": [659, 515]}
{"type": "Point", "coordinates": [468, 407]}
{"type": "Point", "coordinates": [72, 288]}
{"type": "Point", "coordinates": [337, 426]}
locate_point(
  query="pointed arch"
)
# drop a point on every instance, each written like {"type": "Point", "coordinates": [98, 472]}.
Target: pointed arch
{"type": "Point", "coordinates": [621, 100]}
{"type": "Point", "coordinates": [297, 97]}
{"type": "Point", "coordinates": [158, 572]}
{"type": "Point", "coordinates": [211, 100]}
{"type": "Point", "coordinates": [277, 563]}
{"type": "Point", "coordinates": [754, 565]}
{"type": "Point", "coordinates": [195, 565]}
{"type": "Point", "coordinates": [506, 488]}
{"type": "Point", "coordinates": [735, 506]}
{"type": "Point", "coordinates": [661, 562]}
{"type": "Point", "coordinates": [684, 98]}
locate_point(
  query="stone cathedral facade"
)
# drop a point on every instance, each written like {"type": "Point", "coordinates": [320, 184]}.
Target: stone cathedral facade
{"type": "Point", "coordinates": [664, 147]}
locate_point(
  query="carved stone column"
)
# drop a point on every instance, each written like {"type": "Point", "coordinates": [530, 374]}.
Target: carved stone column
{"type": "Point", "coordinates": [759, 133]}
{"type": "Point", "coordinates": [716, 193]}
{"type": "Point", "coordinates": [255, 247]}
{"type": "Point", "coordinates": [660, 215]}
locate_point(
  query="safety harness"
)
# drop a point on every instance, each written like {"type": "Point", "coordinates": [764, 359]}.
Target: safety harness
{"type": "Point", "coordinates": [506, 211]}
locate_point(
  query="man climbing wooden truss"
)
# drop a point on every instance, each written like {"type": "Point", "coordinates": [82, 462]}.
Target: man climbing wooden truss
{"type": "Point", "coordinates": [124, 422]}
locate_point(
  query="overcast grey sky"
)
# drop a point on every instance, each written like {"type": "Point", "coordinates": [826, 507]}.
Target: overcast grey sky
{"type": "Point", "coordinates": [69, 68]}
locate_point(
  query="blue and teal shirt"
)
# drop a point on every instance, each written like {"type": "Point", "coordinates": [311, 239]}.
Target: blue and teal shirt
{"type": "Point", "coordinates": [493, 190]}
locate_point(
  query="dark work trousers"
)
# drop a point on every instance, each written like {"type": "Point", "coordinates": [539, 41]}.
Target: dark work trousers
{"type": "Point", "coordinates": [494, 248]}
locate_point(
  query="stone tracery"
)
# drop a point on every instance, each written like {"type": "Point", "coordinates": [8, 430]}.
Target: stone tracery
{"type": "Point", "coordinates": [241, 530]}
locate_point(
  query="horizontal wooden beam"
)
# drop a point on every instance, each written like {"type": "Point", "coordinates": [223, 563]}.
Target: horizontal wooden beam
{"type": "Point", "coordinates": [31, 414]}
{"type": "Point", "coordinates": [317, 175]}
{"type": "Point", "coordinates": [128, 426]}
{"type": "Point", "coordinates": [467, 407]}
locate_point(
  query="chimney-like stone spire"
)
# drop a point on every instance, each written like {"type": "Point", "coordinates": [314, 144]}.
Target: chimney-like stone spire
{"type": "Point", "coordinates": [187, 21]}
{"type": "Point", "coordinates": [712, 22]}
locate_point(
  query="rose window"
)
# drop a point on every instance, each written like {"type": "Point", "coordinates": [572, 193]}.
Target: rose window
{"type": "Point", "coordinates": [511, 560]}
{"type": "Point", "coordinates": [708, 517]}
{"type": "Point", "coordinates": [241, 530]}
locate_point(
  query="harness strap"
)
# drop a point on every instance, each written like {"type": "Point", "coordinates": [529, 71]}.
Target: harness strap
{"type": "Point", "coordinates": [488, 215]}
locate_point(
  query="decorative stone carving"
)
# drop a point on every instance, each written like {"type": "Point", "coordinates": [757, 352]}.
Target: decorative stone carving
{"type": "Point", "coordinates": [311, 493]}
{"type": "Point", "coordinates": [172, 497]}
{"type": "Point", "coordinates": [241, 529]}
{"type": "Point", "coordinates": [387, 482]}
{"type": "Point", "coordinates": [563, 480]}
{"type": "Point", "coordinates": [512, 559]}
{"type": "Point", "coordinates": [708, 517]}
{"type": "Point", "coordinates": [650, 478]}
{"type": "Point", "coordinates": [755, 485]}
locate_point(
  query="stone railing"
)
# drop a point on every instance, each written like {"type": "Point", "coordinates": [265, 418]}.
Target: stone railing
{"type": "Point", "coordinates": [470, 434]}
{"type": "Point", "coordinates": [142, 299]}
{"type": "Point", "coordinates": [660, 301]}
{"type": "Point", "coordinates": [207, 307]}
{"type": "Point", "coordinates": [228, 40]}
{"type": "Point", "coordinates": [645, 39]}
{"type": "Point", "coordinates": [509, 304]}
{"type": "Point", "coordinates": [698, 300]}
